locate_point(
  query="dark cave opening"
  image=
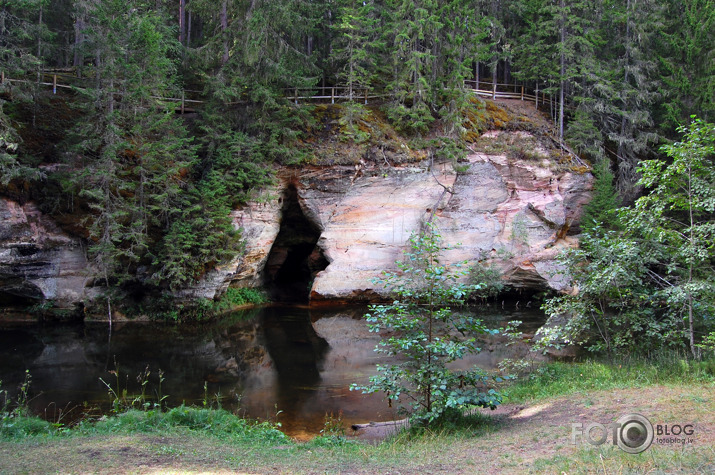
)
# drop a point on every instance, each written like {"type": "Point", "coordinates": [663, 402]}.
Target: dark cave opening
{"type": "Point", "coordinates": [295, 258]}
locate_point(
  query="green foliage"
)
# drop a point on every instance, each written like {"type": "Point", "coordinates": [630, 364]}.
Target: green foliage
{"type": "Point", "coordinates": [708, 343]}
{"type": "Point", "coordinates": [120, 399]}
{"type": "Point", "coordinates": [487, 280]}
{"type": "Point", "coordinates": [132, 155]}
{"type": "Point", "coordinates": [215, 422]}
{"type": "Point", "coordinates": [660, 368]}
{"type": "Point", "coordinates": [425, 334]}
{"type": "Point", "coordinates": [651, 284]}
{"type": "Point", "coordinates": [679, 214]}
{"type": "Point", "coordinates": [333, 432]}
{"type": "Point", "coordinates": [235, 296]}
{"type": "Point", "coordinates": [15, 419]}
{"type": "Point", "coordinates": [584, 136]}
{"type": "Point", "coordinates": [614, 309]}
{"type": "Point", "coordinates": [199, 236]}
{"type": "Point", "coordinates": [601, 210]}
{"type": "Point", "coordinates": [352, 115]}
{"type": "Point", "coordinates": [685, 60]}
{"type": "Point", "coordinates": [354, 48]}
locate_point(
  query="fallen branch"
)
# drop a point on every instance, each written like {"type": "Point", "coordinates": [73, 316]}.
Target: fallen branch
{"type": "Point", "coordinates": [401, 422]}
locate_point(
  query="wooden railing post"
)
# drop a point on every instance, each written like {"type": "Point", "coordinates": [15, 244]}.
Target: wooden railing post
{"type": "Point", "coordinates": [536, 96]}
{"type": "Point", "coordinates": [183, 95]}
{"type": "Point", "coordinates": [494, 90]}
{"type": "Point", "coordinates": [54, 84]}
{"type": "Point", "coordinates": [522, 92]}
{"type": "Point", "coordinates": [2, 77]}
{"type": "Point", "coordinates": [296, 96]}
{"type": "Point", "coordinates": [365, 96]}
{"type": "Point", "coordinates": [332, 95]}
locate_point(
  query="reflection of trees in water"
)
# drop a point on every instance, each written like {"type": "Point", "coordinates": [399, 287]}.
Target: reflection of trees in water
{"type": "Point", "coordinates": [272, 355]}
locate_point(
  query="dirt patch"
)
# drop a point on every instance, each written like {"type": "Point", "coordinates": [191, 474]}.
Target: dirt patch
{"type": "Point", "coordinates": [528, 432]}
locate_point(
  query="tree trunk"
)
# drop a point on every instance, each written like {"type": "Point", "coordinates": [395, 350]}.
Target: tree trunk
{"type": "Point", "coordinates": [494, 79]}
{"type": "Point", "coordinates": [476, 75]}
{"type": "Point", "coordinates": [77, 44]}
{"type": "Point", "coordinates": [188, 31]}
{"type": "Point", "coordinates": [624, 99]}
{"type": "Point", "coordinates": [39, 46]}
{"type": "Point", "coordinates": [224, 32]}
{"type": "Point", "coordinates": [562, 72]}
{"type": "Point", "coordinates": [691, 333]}
{"type": "Point", "coordinates": [182, 21]}
{"type": "Point", "coordinates": [39, 68]}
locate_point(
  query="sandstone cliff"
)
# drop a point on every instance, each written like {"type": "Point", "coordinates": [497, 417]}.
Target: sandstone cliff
{"type": "Point", "coordinates": [326, 232]}
{"type": "Point", "coordinates": [514, 214]}
{"type": "Point", "coordinates": [38, 261]}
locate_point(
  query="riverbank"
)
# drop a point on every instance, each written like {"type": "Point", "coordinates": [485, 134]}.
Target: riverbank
{"type": "Point", "coordinates": [528, 433]}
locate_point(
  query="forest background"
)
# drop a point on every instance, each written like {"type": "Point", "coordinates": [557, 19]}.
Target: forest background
{"type": "Point", "coordinates": [154, 188]}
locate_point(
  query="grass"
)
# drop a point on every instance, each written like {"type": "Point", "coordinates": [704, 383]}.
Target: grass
{"type": "Point", "coordinates": [559, 379]}
{"type": "Point", "coordinates": [609, 459]}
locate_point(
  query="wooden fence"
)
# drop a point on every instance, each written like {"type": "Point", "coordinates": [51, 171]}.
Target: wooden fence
{"type": "Point", "coordinates": [190, 100]}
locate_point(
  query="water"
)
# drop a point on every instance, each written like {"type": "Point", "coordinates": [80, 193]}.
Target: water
{"type": "Point", "coordinates": [287, 364]}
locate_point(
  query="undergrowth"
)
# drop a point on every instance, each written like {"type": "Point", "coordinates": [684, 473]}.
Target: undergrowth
{"type": "Point", "coordinates": [558, 378]}
{"type": "Point", "coordinates": [215, 422]}
{"type": "Point", "coordinates": [203, 309]}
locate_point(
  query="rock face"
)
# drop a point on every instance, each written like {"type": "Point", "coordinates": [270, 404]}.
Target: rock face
{"type": "Point", "coordinates": [510, 213]}
{"type": "Point", "coordinates": [37, 260]}
{"type": "Point", "coordinates": [328, 232]}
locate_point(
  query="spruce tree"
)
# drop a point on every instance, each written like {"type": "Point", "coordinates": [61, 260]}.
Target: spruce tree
{"type": "Point", "coordinates": [686, 60]}
{"type": "Point", "coordinates": [131, 150]}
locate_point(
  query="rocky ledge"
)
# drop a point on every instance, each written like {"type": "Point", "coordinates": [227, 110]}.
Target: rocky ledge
{"type": "Point", "coordinates": [38, 261]}
{"type": "Point", "coordinates": [325, 233]}
{"type": "Point", "coordinates": [354, 223]}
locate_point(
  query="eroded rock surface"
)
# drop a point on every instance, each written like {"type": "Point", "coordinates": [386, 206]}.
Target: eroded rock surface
{"type": "Point", "coordinates": [510, 213]}
{"type": "Point", "coordinates": [37, 260]}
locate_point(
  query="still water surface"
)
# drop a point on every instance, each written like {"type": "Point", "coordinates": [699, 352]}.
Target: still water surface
{"type": "Point", "coordinates": [290, 364]}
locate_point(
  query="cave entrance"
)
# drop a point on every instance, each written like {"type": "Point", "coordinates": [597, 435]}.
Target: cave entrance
{"type": "Point", "coordinates": [295, 258]}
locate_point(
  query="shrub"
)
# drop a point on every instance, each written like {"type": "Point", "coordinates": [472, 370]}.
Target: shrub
{"type": "Point", "coordinates": [422, 331]}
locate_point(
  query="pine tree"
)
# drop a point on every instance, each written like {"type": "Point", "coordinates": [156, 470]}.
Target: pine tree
{"type": "Point", "coordinates": [414, 33]}
{"type": "Point", "coordinates": [555, 47]}
{"type": "Point", "coordinates": [600, 211]}
{"type": "Point", "coordinates": [21, 31]}
{"type": "Point", "coordinates": [635, 91]}
{"type": "Point", "coordinates": [353, 47]}
{"type": "Point", "coordinates": [425, 334]}
{"type": "Point", "coordinates": [687, 62]}
{"type": "Point", "coordinates": [131, 150]}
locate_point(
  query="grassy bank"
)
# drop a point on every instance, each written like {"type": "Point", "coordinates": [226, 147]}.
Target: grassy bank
{"type": "Point", "coordinates": [531, 432]}
{"type": "Point", "coordinates": [559, 379]}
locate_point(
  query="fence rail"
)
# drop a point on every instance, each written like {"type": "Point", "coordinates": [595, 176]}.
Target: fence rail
{"type": "Point", "coordinates": [334, 94]}
{"type": "Point", "coordinates": [191, 99]}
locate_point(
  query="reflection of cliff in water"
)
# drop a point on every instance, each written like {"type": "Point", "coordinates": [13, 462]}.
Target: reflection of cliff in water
{"type": "Point", "coordinates": [271, 359]}
{"type": "Point", "coordinates": [294, 360]}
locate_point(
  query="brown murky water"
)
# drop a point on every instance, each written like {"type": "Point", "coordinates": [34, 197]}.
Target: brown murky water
{"type": "Point", "coordinates": [290, 364]}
